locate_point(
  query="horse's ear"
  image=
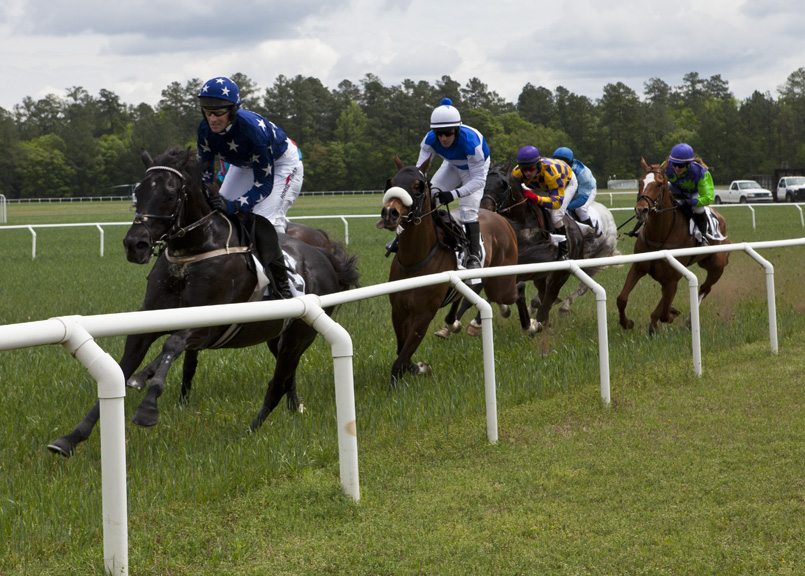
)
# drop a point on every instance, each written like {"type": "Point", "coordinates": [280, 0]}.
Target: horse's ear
{"type": "Point", "coordinates": [645, 166]}
{"type": "Point", "coordinates": [398, 163]}
{"type": "Point", "coordinates": [507, 167]}
{"type": "Point", "coordinates": [388, 184]}
{"type": "Point", "coordinates": [425, 165]}
{"type": "Point", "coordinates": [146, 157]}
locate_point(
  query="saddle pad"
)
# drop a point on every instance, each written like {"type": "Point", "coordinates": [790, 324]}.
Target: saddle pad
{"type": "Point", "coordinates": [296, 282]}
{"type": "Point", "coordinates": [713, 233]}
{"type": "Point", "coordinates": [460, 255]}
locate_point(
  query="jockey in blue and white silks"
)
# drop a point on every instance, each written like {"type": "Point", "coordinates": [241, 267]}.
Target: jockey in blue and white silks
{"type": "Point", "coordinates": [462, 174]}
{"type": "Point", "coordinates": [587, 186]}
{"type": "Point", "coordinates": [265, 173]}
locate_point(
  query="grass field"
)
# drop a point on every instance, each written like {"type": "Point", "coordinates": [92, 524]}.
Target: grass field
{"type": "Point", "coordinates": [680, 475]}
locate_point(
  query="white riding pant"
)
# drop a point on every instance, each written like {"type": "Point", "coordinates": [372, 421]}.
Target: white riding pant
{"type": "Point", "coordinates": [581, 211]}
{"type": "Point", "coordinates": [448, 177]}
{"type": "Point", "coordinates": [288, 176]}
{"type": "Point", "coordinates": [559, 213]}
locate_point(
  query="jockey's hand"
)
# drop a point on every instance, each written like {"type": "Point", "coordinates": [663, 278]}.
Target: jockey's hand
{"type": "Point", "coordinates": [221, 204]}
{"type": "Point", "coordinates": [444, 196]}
{"type": "Point", "coordinates": [531, 196]}
{"type": "Point", "coordinates": [694, 202]}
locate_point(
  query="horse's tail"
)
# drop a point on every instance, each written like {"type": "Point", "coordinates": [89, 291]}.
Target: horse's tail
{"type": "Point", "coordinates": [346, 266]}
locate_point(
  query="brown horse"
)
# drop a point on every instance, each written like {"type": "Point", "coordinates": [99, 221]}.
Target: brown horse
{"type": "Point", "coordinates": [667, 227]}
{"type": "Point", "coordinates": [423, 250]}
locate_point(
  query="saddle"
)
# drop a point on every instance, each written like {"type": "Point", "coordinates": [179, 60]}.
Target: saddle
{"type": "Point", "coordinates": [454, 236]}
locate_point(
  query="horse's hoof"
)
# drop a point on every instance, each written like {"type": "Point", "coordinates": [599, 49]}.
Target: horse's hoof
{"type": "Point", "coordinates": [531, 310]}
{"type": "Point", "coordinates": [61, 447]}
{"type": "Point", "coordinates": [505, 311]}
{"type": "Point", "coordinates": [424, 369]}
{"type": "Point", "coordinates": [301, 408]}
{"type": "Point", "coordinates": [137, 382]}
{"type": "Point", "coordinates": [455, 327]}
{"type": "Point", "coordinates": [145, 418]}
{"type": "Point", "coordinates": [474, 329]}
{"type": "Point", "coordinates": [533, 327]}
{"type": "Point", "coordinates": [564, 309]}
{"type": "Point", "coordinates": [442, 332]}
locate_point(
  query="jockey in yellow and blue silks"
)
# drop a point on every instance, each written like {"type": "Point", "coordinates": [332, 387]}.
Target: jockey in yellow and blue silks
{"type": "Point", "coordinates": [462, 174]}
{"type": "Point", "coordinates": [587, 189]}
{"type": "Point", "coordinates": [264, 174]}
{"type": "Point", "coordinates": [690, 183]}
{"type": "Point", "coordinates": [555, 182]}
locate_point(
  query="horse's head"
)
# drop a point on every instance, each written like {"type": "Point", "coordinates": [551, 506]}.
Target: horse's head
{"type": "Point", "coordinates": [497, 189]}
{"type": "Point", "coordinates": [162, 199]}
{"type": "Point", "coordinates": [652, 193]}
{"type": "Point", "coordinates": [407, 195]}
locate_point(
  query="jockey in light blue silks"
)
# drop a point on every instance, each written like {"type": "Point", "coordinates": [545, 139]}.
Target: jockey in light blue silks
{"type": "Point", "coordinates": [587, 189]}
{"type": "Point", "coordinates": [692, 184]}
{"type": "Point", "coordinates": [462, 174]}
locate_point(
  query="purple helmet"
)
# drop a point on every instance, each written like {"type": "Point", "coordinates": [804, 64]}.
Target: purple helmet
{"type": "Point", "coordinates": [681, 153]}
{"type": "Point", "coordinates": [219, 92]}
{"type": "Point", "coordinates": [528, 156]}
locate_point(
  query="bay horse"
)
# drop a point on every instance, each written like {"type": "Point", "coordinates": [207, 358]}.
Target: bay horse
{"type": "Point", "coordinates": [203, 260]}
{"type": "Point", "coordinates": [423, 250]}
{"type": "Point", "coordinates": [667, 227]}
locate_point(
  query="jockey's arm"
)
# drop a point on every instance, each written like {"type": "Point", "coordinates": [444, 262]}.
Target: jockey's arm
{"type": "Point", "coordinates": [477, 181]}
{"type": "Point", "coordinates": [706, 190]}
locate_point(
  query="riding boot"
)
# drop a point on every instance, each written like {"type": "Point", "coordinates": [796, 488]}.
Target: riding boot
{"type": "Point", "coordinates": [700, 220]}
{"type": "Point", "coordinates": [561, 248]}
{"type": "Point", "coordinates": [266, 243]}
{"type": "Point", "coordinates": [474, 236]}
{"type": "Point", "coordinates": [589, 222]}
{"type": "Point", "coordinates": [392, 246]}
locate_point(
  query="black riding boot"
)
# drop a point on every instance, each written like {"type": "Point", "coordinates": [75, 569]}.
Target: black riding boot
{"type": "Point", "coordinates": [589, 222]}
{"type": "Point", "coordinates": [474, 236]}
{"type": "Point", "coordinates": [561, 248]}
{"type": "Point", "coordinates": [700, 220]}
{"type": "Point", "coordinates": [264, 237]}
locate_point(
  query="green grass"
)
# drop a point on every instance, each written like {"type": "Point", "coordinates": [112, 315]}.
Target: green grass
{"type": "Point", "coordinates": [680, 475]}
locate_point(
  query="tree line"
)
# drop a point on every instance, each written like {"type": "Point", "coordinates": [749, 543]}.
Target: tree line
{"type": "Point", "coordinates": [84, 145]}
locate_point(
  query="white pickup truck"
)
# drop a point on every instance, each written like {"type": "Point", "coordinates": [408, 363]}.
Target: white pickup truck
{"type": "Point", "coordinates": [791, 189]}
{"type": "Point", "coordinates": [742, 191]}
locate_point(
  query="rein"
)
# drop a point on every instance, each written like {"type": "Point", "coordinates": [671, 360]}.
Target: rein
{"type": "Point", "coordinates": [415, 217]}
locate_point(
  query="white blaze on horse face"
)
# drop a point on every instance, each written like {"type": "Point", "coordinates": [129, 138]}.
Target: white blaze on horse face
{"type": "Point", "coordinates": [400, 193]}
{"type": "Point", "coordinates": [649, 179]}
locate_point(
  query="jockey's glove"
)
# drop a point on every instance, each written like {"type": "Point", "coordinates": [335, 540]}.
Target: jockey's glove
{"type": "Point", "coordinates": [694, 202]}
{"type": "Point", "coordinates": [221, 204]}
{"type": "Point", "coordinates": [445, 196]}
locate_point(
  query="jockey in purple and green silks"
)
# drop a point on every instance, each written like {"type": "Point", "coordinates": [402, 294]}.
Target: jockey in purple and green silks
{"type": "Point", "coordinates": [692, 184]}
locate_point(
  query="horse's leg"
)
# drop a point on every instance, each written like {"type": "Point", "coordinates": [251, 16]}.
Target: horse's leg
{"type": "Point", "coordinates": [528, 324]}
{"type": "Point", "coordinates": [664, 311]}
{"type": "Point", "coordinates": [147, 413]}
{"type": "Point", "coordinates": [553, 285]}
{"type": "Point", "coordinates": [635, 274]}
{"type": "Point", "coordinates": [410, 332]}
{"type": "Point", "coordinates": [714, 265]}
{"type": "Point", "coordinates": [134, 350]}
{"type": "Point", "coordinates": [288, 349]}
{"type": "Point", "coordinates": [453, 324]}
{"type": "Point", "coordinates": [189, 367]}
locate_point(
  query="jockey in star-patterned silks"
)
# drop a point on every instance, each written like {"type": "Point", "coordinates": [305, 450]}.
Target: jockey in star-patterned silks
{"type": "Point", "coordinates": [692, 184]}
{"type": "Point", "coordinates": [265, 173]}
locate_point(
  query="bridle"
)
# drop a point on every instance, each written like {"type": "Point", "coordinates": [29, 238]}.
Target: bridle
{"type": "Point", "coordinates": [175, 230]}
{"type": "Point", "coordinates": [662, 181]}
{"type": "Point", "coordinates": [506, 202]}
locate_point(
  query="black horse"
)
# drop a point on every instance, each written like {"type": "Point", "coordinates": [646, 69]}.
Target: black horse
{"type": "Point", "coordinates": [204, 260]}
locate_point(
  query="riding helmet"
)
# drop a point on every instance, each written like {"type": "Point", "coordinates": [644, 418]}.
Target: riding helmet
{"type": "Point", "coordinates": [528, 156]}
{"type": "Point", "coordinates": [445, 116]}
{"type": "Point", "coordinates": [681, 153]}
{"type": "Point", "coordinates": [565, 154]}
{"type": "Point", "coordinates": [219, 92]}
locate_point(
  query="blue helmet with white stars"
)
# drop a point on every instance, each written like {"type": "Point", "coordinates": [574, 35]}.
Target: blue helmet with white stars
{"type": "Point", "coordinates": [219, 92]}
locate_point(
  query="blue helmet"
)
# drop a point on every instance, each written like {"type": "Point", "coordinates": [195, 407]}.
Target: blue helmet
{"type": "Point", "coordinates": [528, 156]}
{"type": "Point", "coordinates": [681, 153]}
{"type": "Point", "coordinates": [219, 92]}
{"type": "Point", "coordinates": [564, 153]}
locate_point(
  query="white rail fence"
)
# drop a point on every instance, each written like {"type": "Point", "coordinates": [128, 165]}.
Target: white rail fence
{"type": "Point", "coordinates": [344, 219]}
{"type": "Point", "coordinates": [77, 334]}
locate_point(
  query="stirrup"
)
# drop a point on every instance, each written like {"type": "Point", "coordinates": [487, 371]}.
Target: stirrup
{"type": "Point", "coordinates": [473, 262]}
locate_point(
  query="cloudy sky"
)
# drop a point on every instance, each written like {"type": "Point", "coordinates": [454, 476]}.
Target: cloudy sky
{"type": "Point", "coordinates": [136, 48]}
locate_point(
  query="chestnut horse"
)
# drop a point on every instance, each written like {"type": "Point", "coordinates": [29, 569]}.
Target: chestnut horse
{"type": "Point", "coordinates": [422, 250]}
{"type": "Point", "coordinates": [667, 227]}
{"type": "Point", "coordinates": [205, 261]}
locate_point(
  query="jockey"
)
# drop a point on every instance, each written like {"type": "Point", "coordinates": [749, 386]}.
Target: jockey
{"type": "Point", "coordinates": [265, 170]}
{"type": "Point", "coordinates": [556, 183]}
{"type": "Point", "coordinates": [587, 189]}
{"type": "Point", "coordinates": [691, 184]}
{"type": "Point", "coordinates": [462, 174]}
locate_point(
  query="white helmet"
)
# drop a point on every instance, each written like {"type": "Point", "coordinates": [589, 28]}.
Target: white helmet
{"type": "Point", "coordinates": [445, 116]}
